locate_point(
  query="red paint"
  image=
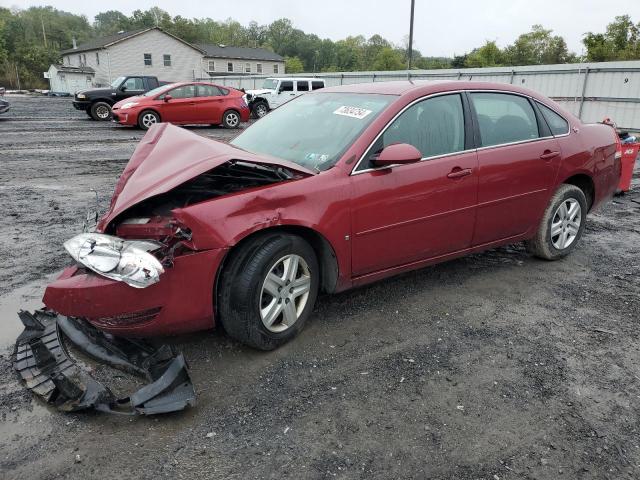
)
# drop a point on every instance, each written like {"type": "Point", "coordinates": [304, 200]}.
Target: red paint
{"type": "Point", "coordinates": [629, 155]}
{"type": "Point", "coordinates": [183, 111]}
{"type": "Point", "coordinates": [378, 223]}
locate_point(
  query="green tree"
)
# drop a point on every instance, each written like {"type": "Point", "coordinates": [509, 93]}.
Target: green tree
{"type": "Point", "coordinates": [537, 47]}
{"type": "Point", "coordinates": [293, 65]}
{"type": "Point", "coordinates": [621, 41]}
{"type": "Point", "coordinates": [389, 59]}
{"type": "Point", "coordinates": [489, 55]}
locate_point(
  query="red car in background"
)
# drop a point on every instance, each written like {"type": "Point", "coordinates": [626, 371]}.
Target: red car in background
{"type": "Point", "coordinates": [335, 189]}
{"type": "Point", "coordinates": [184, 103]}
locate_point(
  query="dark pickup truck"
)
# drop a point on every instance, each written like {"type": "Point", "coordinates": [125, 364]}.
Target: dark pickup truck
{"type": "Point", "coordinates": [97, 102]}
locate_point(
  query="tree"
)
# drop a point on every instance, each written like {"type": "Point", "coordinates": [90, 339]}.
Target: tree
{"type": "Point", "coordinates": [388, 59]}
{"type": "Point", "coordinates": [621, 41]}
{"type": "Point", "coordinates": [293, 65]}
{"type": "Point", "coordinates": [489, 55]}
{"type": "Point", "coordinates": [111, 21]}
{"type": "Point", "coordinates": [537, 47]}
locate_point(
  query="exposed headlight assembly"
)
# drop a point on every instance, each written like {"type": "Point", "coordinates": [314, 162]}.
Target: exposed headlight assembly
{"type": "Point", "coordinates": [128, 105]}
{"type": "Point", "coordinates": [127, 261]}
{"type": "Point", "coordinates": [81, 96]}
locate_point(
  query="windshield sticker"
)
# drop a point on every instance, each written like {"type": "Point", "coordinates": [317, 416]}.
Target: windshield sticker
{"type": "Point", "coordinates": [353, 112]}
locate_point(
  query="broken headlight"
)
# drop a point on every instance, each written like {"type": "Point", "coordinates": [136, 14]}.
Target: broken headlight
{"type": "Point", "coordinates": [127, 261]}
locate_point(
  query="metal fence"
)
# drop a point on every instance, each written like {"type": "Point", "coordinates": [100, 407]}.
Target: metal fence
{"type": "Point", "coordinates": [591, 91]}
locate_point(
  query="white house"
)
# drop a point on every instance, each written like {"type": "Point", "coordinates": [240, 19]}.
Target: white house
{"type": "Point", "coordinates": [152, 51]}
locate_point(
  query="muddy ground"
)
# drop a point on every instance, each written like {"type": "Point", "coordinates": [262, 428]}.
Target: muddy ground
{"type": "Point", "coordinates": [495, 366]}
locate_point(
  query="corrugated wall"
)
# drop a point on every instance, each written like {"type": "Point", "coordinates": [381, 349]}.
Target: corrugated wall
{"type": "Point", "coordinates": [591, 91]}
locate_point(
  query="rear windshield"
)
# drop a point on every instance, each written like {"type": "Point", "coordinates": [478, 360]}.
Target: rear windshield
{"type": "Point", "coordinates": [313, 130]}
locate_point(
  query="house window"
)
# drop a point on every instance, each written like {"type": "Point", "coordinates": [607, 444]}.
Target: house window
{"type": "Point", "coordinates": [97, 58]}
{"type": "Point", "coordinates": [147, 59]}
{"type": "Point", "coordinates": [247, 68]}
{"type": "Point", "coordinates": [259, 67]}
{"type": "Point", "coordinates": [167, 60]}
{"type": "Point", "coordinates": [212, 66]}
{"type": "Point", "coordinates": [230, 67]}
{"type": "Point", "coordinates": [275, 68]}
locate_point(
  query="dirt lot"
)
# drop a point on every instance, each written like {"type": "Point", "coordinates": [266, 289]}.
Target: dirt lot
{"type": "Point", "coordinates": [495, 366]}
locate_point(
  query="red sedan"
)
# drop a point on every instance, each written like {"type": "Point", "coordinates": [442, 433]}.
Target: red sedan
{"type": "Point", "coordinates": [184, 104]}
{"type": "Point", "coordinates": [333, 190]}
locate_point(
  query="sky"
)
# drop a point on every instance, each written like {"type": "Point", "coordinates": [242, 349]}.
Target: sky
{"type": "Point", "coordinates": [442, 28]}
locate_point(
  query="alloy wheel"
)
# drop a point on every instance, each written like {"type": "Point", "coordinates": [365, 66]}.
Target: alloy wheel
{"type": "Point", "coordinates": [149, 119]}
{"type": "Point", "coordinates": [285, 292]}
{"type": "Point", "coordinates": [261, 110]}
{"type": "Point", "coordinates": [565, 224]}
{"type": "Point", "coordinates": [233, 119]}
{"type": "Point", "coordinates": [102, 112]}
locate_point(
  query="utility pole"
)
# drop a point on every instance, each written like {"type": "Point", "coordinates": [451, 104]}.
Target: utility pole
{"type": "Point", "coordinates": [413, 5]}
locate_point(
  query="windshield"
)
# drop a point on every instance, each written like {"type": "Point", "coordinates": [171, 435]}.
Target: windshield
{"type": "Point", "coordinates": [313, 130]}
{"type": "Point", "coordinates": [270, 84]}
{"type": "Point", "coordinates": [156, 91]}
{"type": "Point", "coordinates": [116, 83]}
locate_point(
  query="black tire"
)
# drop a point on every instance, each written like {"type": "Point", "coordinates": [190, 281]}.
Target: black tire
{"type": "Point", "coordinates": [231, 119]}
{"type": "Point", "coordinates": [543, 244]}
{"type": "Point", "coordinates": [241, 296]}
{"type": "Point", "coordinates": [259, 109]}
{"type": "Point", "coordinates": [100, 111]}
{"type": "Point", "coordinates": [145, 119]}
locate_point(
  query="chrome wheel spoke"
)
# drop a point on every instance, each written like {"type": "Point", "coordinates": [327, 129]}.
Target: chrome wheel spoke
{"type": "Point", "coordinates": [291, 268]}
{"type": "Point", "coordinates": [573, 229]}
{"type": "Point", "coordinates": [574, 209]}
{"type": "Point", "coordinates": [290, 314]}
{"type": "Point", "coordinates": [271, 312]}
{"type": "Point", "coordinates": [273, 284]}
{"type": "Point", "coordinates": [566, 224]}
{"type": "Point", "coordinates": [301, 286]}
{"type": "Point", "coordinates": [556, 229]}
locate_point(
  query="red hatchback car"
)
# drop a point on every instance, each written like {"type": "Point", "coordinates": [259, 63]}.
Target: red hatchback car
{"type": "Point", "coordinates": [335, 189]}
{"type": "Point", "coordinates": [184, 104]}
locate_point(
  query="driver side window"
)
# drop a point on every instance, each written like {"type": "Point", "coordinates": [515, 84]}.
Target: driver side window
{"type": "Point", "coordinates": [434, 126]}
{"type": "Point", "coordinates": [186, 91]}
{"type": "Point", "coordinates": [134, 84]}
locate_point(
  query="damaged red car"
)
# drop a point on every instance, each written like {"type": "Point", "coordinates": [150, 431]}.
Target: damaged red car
{"type": "Point", "coordinates": [333, 190]}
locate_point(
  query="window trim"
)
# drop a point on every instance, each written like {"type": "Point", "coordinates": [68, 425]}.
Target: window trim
{"type": "Point", "coordinates": [230, 64]}
{"type": "Point", "coordinates": [258, 68]}
{"type": "Point", "coordinates": [247, 67]}
{"type": "Point", "coordinates": [276, 69]}
{"type": "Point", "coordinates": [474, 148]}
{"type": "Point", "coordinates": [165, 57]}
{"type": "Point", "coordinates": [144, 60]}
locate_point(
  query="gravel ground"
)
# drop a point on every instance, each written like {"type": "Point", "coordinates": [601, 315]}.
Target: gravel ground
{"type": "Point", "coordinates": [494, 366]}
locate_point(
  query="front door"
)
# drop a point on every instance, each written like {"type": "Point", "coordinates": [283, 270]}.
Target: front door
{"type": "Point", "coordinates": [518, 162]}
{"type": "Point", "coordinates": [284, 93]}
{"type": "Point", "coordinates": [423, 210]}
{"type": "Point", "coordinates": [181, 107]}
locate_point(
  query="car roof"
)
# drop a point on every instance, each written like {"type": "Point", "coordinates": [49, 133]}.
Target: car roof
{"type": "Point", "coordinates": [424, 87]}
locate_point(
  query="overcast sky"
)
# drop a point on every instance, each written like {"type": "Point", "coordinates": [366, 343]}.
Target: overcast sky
{"type": "Point", "coordinates": [442, 28]}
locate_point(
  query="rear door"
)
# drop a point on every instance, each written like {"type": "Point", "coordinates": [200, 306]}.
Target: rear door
{"type": "Point", "coordinates": [423, 210]}
{"type": "Point", "coordinates": [182, 106]}
{"type": "Point", "coordinates": [210, 104]}
{"type": "Point", "coordinates": [518, 160]}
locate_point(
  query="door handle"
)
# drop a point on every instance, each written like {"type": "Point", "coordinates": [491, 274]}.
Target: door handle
{"type": "Point", "coordinates": [548, 155]}
{"type": "Point", "coordinates": [192, 103]}
{"type": "Point", "coordinates": [459, 173]}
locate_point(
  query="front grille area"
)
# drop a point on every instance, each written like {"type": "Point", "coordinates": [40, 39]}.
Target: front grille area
{"type": "Point", "coordinates": [126, 319]}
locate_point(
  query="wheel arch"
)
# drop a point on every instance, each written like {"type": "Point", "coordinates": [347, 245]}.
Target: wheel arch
{"type": "Point", "coordinates": [108, 101]}
{"type": "Point", "coordinates": [327, 259]}
{"type": "Point", "coordinates": [150, 109]}
{"type": "Point", "coordinates": [585, 183]}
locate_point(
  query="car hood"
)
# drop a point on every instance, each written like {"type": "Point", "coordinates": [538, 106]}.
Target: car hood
{"type": "Point", "coordinates": [137, 98]}
{"type": "Point", "coordinates": [96, 91]}
{"type": "Point", "coordinates": [260, 92]}
{"type": "Point", "coordinates": [168, 156]}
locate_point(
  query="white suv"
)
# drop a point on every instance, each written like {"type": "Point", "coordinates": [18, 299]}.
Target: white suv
{"type": "Point", "coordinates": [276, 91]}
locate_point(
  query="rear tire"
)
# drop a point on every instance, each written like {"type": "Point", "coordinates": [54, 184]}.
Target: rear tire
{"type": "Point", "coordinates": [267, 290]}
{"type": "Point", "coordinates": [147, 119]}
{"type": "Point", "coordinates": [100, 111]}
{"type": "Point", "coordinates": [231, 119]}
{"type": "Point", "coordinates": [562, 224]}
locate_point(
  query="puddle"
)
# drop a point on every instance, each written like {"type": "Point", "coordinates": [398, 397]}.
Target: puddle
{"type": "Point", "coordinates": [27, 297]}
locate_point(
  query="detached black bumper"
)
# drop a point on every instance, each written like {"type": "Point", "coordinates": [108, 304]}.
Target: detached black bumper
{"type": "Point", "coordinates": [4, 108]}
{"type": "Point", "coordinates": [48, 370]}
{"type": "Point", "coordinates": [81, 104]}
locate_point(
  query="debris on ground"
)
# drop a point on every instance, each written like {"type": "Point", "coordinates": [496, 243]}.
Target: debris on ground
{"type": "Point", "coordinates": [47, 369]}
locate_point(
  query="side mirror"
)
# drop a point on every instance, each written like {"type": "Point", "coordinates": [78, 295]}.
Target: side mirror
{"type": "Point", "coordinates": [123, 88]}
{"type": "Point", "coordinates": [167, 98]}
{"type": "Point", "coordinates": [397, 154]}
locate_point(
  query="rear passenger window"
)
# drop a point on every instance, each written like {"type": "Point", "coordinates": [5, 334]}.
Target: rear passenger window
{"type": "Point", "coordinates": [557, 124]}
{"type": "Point", "coordinates": [303, 86]}
{"type": "Point", "coordinates": [186, 91]}
{"type": "Point", "coordinates": [434, 126]}
{"type": "Point", "coordinates": [504, 118]}
{"type": "Point", "coordinates": [317, 85]}
{"type": "Point", "coordinates": [208, 91]}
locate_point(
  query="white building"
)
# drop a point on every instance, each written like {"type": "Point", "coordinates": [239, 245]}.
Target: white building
{"type": "Point", "coordinates": [152, 51]}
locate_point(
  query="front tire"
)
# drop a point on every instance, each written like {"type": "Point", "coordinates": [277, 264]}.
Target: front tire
{"type": "Point", "coordinates": [562, 224]}
{"type": "Point", "coordinates": [260, 109]}
{"type": "Point", "coordinates": [101, 111]}
{"type": "Point", "coordinates": [147, 119]}
{"type": "Point", "coordinates": [268, 289]}
{"type": "Point", "coordinates": [231, 119]}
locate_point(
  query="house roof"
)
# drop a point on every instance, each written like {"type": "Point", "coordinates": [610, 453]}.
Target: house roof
{"type": "Point", "coordinates": [244, 53]}
{"type": "Point", "coordinates": [70, 69]}
{"type": "Point", "coordinates": [103, 42]}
